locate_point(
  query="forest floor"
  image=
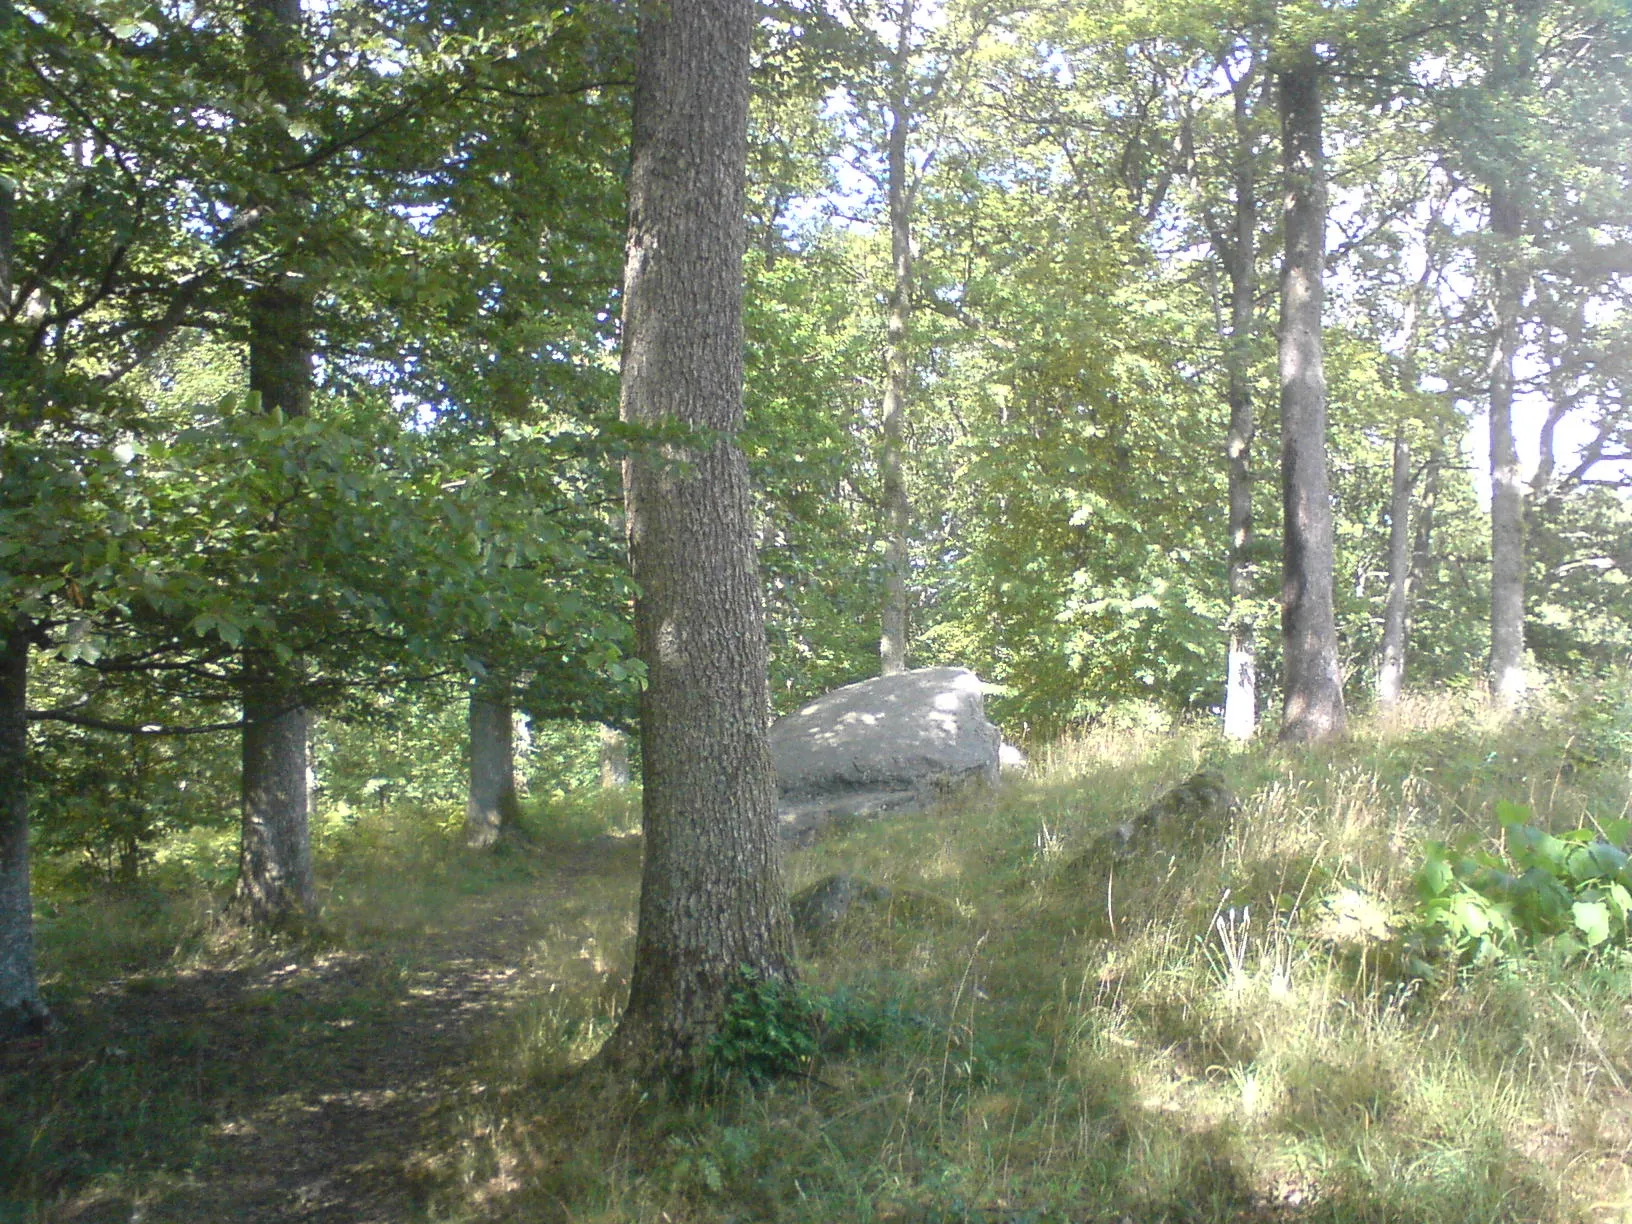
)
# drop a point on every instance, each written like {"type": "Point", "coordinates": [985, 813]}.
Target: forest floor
{"type": "Point", "coordinates": [1241, 1024]}
{"type": "Point", "coordinates": [319, 1075]}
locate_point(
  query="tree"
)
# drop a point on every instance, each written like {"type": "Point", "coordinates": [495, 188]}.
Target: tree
{"type": "Point", "coordinates": [491, 806]}
{"type": "Point", "coordinates": [21, 1008]}
{"type": "Point", "coordinates": [70, 326]}
{"type": "Point", "coordinates": [1241, 668]}
{"type": "Point", "coordinates": [1392, 650]}
{"type": "Point", "coordinates": [20, 1005]}
{"type": "Point", "coordinates": [275, 881]}
{"type": "Point", "coordinates": [1312, 700]}
{"type": "Point", "coordinates": [1391, 661]}
{"type": "Point", "coordinates": [892, 642]}
{"type": "Point", "coordinates": [1515, 56]}
{"type": "Point", "coordinates": [1533, 117]}
{"type": "Point", "coordinates": [1048, 334]}
{"type": "Point", "coordinates": [613, 757]}
{"type": "Point", "coordinates": [712, 899]}
{"type": "Point", "coordinates": [811, 443]}
{"type": "Point", "coordinates": [173, 185]}
{"type": "Point", "coordinates": [1233, 237]}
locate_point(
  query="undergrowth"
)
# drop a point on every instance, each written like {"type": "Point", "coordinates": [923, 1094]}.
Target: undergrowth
{"type": "Point", "coordinates": [1242, 1026]}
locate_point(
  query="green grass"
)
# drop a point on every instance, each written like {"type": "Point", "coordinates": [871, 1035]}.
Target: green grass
{"type": "Point", "coordinates": [1205, 1031]}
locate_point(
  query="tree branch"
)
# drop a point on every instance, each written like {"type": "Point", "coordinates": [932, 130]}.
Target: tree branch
{"type": "Point", "coordinates": [102, 724]}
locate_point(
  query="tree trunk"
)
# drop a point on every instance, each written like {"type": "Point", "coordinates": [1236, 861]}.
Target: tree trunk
{"type": "Point", "coordinates": [712, 898]}
{"type": "Point", "coordinates": [1511, 68]}
{"type": "Point", "coordinates": [1403, 553]}
{"type": "Point", "coordinates": [8, 204]}
{"type": "Point", "coordinates": [1312, 707]}
{"type": "Point", "coordinates": [1422, 547]}
{"type": "Point", "coordinates": [21, 1009]}
{"type": "Point", "coordinates": [275, 851]}
{"type": "Point", "coordinates": [275, 886]}
{"type": "Point", "coordinates": [1391, 666]}
{"type": "Point", "coordinates": [1507, 678]}
{"type": "Point", "coordinates": [892, 643]}
{"type": "Point", "coordinates": [492, 806]}
{"type": "Point", "coordinates": [1241, 252]}
{"type": "Point", "coordinates": [614, 758]}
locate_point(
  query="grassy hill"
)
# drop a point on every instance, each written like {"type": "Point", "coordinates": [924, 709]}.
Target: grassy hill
{"type": "Point", "coordinates": [1245, 1021]}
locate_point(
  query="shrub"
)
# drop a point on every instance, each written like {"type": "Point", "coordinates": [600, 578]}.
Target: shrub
{"type": "Point", "coordinates": [1566, 894]}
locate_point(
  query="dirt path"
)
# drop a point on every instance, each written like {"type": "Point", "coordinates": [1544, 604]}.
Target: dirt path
{"type": "Point", "coordinates": [327, 1074]}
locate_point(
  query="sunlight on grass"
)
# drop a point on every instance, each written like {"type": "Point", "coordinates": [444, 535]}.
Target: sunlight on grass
{"type": "Point", "coordinates": [1201, 1031]}
{"type": "Point", "coordinates": [1216, 1024]}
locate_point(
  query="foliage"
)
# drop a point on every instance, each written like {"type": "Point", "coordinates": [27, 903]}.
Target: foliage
{"type": "Point", "coordinates": [769, 1029]}
{"type": "Point", "coordinates": [774, 1029]}
{"type": "Point", "coordinates": [453, 182]}
{"type": "Point", "coordinates": [105, 812]}
{"type": "Point", "coordinates": [1566, 895]}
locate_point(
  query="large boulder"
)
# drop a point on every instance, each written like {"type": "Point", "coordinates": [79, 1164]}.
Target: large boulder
{"type": "Point", "coordinates": [885, 744]}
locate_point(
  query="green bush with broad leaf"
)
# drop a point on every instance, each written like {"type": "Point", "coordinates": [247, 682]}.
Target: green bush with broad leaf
{"type": "Point", "coordinates": [774, 1028]}
{"type": "Point", "coordinates": [1563, 894]}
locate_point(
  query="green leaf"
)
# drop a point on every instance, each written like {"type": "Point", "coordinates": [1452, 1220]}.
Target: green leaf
{"type": "Point", "coordinates": [1620, 900]}
{"type": "Point", "coordinates": [1595, 861]}
{"type": "Point", "coordinates": [1531, 847]}
{"type": "Point", "coordinates": [1508, 813]}
{"type": "Point", "coordinates": [1592, 920]}
{"type": "Point", "coordinates": [1470, 916]}
{"type": "Point", "coordinates": [1435, 877]}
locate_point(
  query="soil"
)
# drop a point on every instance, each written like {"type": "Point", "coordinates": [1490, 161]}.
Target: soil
{"type": "Point", "coordinates": [329, 1074]}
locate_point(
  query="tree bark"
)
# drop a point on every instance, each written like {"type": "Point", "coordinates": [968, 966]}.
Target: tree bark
{"type": "Point", "coordinates": [491, 806]}
{"type": "Point", "coordinates": [1422, 547]}
{"type": "Point", "coordinates": [614, 758]}
{"type": "Point", "coordinates": [21, 1008]}
{"type": "Point", "coordinates": [892, 643]}
{"type": "Point", "coordinates": [712, 897]}
{"type": "Point", "coordinates": [1507, 677]}
{"type": "Point", "coordinates": [1312, 707]}
{"type": "Point", "coordinates": [8, 204]}
{"type": "Point", "coordinates": [275, 885]}
{"type": "Point", "coordinates": [1403, 553]}
{"type": "Point", "coordinates": [1391, 666]}
{"type": "Point", "coordinates": [275, 851]}
{"type": "Point", "coordinates": [1510, 72]}
{"type": "Point", "coordinates": [1241, 254]}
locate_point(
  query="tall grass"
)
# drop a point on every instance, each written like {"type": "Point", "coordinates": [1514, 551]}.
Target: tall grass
{"type": "Point", "coordinates": [1209, 1027]}
{"type": "Point", "coordinates": [1211, 1030]}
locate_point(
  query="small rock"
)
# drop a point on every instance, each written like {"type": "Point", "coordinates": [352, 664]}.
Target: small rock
{"type": "Point", "coordinates": [1200, 808]}
{"type": "Point", "coordinates": [819, 909]}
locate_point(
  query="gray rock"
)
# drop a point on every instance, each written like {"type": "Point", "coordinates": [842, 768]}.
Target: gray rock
{"type": "Point", "coordinates": [886, 744]}
{"type": "Point", "coordinates": [1199, 809]}
{"type": "Point", "coordinates": [819, 909]}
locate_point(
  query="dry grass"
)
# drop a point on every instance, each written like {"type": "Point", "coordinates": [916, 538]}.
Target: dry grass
{"type": "Point", "coordinates": [1208, 1029]}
